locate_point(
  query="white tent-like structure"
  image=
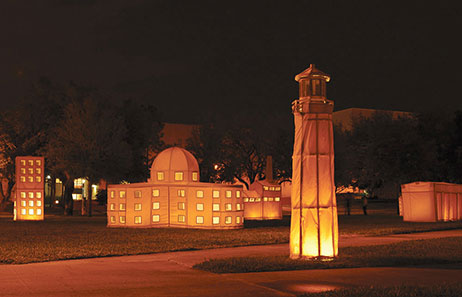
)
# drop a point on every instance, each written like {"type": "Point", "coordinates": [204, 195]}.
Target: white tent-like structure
{"type": "Point", "coordinates": [314, 227]}
{"type": "Point", "coordinates": [431, 202]}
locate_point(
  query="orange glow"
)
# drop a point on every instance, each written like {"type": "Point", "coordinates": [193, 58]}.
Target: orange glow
{"type": "Point", "coordinates": [263, 201]}
{"type": "Point", "coordinates": [178, 199]}
{"type": "Point", "coordinates": [314, 226]}
{"type": "Point", "coordinates": [29, 192]}
{"type": "Point", "coordinates": [313, 288]}
{"type": "Point", "coordinates": [431, 202]}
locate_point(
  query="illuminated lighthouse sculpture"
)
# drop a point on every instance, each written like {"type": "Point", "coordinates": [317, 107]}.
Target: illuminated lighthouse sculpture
{"type": "Point", "coordinates": [314, 226]}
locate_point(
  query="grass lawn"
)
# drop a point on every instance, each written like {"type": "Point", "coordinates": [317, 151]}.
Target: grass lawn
{"type": "Point", "coordinates": [61, 237]}
{"type": "Point", "coordinates": [415, 252]}
{"type": "Point", "coordinates": [388, 224]}
{"type": "Point", "coordinates": [451, 290]}
{"type": "Point", "coordinates": [80, 237]}
{"type": "Point", "coordinates": [377, 224]}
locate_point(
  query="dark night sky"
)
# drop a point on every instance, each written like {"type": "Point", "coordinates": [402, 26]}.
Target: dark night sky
{"type": "Point", "coordinates": [189, 56]}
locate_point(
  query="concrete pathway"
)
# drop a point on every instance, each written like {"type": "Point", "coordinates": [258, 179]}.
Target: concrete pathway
{"type": "Point", "coordinates": [170, 274]}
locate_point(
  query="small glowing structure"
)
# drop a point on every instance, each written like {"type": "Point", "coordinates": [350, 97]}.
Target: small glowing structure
{"type": "Point", "coordinates": [30, 186]}
{"type": "Point", "coordinates": [314, 227]}
{"type": "Point", "coordinates": [431, 202]}
{"type": "Point", "coordinates": [263, 201]}
{"type": "Point", "coordinates": [174, 197]}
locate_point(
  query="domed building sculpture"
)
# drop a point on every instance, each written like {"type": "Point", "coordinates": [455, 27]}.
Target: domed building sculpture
{"type": "Point", "coordinates": [174, 197]}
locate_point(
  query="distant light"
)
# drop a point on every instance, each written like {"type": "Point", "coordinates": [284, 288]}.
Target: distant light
{"type": "Point", "coordinates": [56, 201]}
{"type": "Point", "coordinates": [313, 288]}
{"type": "Point", "coordinates": [48, 177]}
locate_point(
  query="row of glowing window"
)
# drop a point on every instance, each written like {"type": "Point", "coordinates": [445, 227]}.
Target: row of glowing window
{"type": "Point", "coordinates": [264, 199]}
{"type": "Point", "coordinates": [178, 176]}
{"type": "Point", "coordinates": [30, 179]}
{"type": "Point", "coordinates": [31, 170]}
{"type": "Point", "coordinates": [31, 203]}
{"type": "Point", "coordinates": [31, 162]}
{"type": "Point", "coordinates": [31, 211]}
{"type": "Point", "coordinates": [181, 206]}
{"type": "Point", "coordinates": [181, 219]}
{"type": "Point", "coordinates": [38, 195]}
{"type": "Point", "coordinates": [266, 188]}
{"type": "Point", "coordinates": [180, 193]}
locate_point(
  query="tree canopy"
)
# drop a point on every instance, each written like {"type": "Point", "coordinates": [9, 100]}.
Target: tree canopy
{"type": "Point", "coordinates": [82, 133]}
{"type": "Point", "coordinates": [236, 148]}
{"type": "Point", "coordinates": [384, 152]}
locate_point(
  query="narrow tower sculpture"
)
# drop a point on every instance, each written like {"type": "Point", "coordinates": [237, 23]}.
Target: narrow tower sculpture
{"type": "Point", "coordinates": [314, 226]}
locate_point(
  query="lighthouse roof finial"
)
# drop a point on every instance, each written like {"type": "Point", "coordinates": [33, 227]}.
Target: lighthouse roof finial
{"type": "Point", "coordinates": [313, 72]}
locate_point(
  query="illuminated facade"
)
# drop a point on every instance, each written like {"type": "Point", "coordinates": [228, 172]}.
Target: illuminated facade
{"type": "Point", "coordinates": [314, 227]}
{"type": "Point", "coordinates": [431, 202]}
{"type": "Point", "coordinates": [29, 203]}
{"type": "Point", "coordinates": [174, 197]}
{"type": "Point", "coordinates": [263, 201]}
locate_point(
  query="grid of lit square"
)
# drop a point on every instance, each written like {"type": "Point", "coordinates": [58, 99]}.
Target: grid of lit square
{"type": "Point", "coordinates": [275, 189]}
{"type": "Point", "coordinates": [30, 203]}
{"type": "Point", "coordinates": [30, 170]}
{"type": "Point", "coordinates": [176, 206]}
{"type": "Point", "coordinates": [29, 188]}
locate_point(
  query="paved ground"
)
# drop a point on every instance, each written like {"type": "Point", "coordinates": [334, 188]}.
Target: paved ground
{"type": "Point", "coordinates": [170, 274]}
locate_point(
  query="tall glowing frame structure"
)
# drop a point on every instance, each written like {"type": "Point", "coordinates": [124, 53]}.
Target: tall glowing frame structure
{"type": "Point", "coordinates": [314, 223]}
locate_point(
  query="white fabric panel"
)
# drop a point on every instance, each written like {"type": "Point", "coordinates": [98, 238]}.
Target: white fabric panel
{"type": "Point", "coordinates": [431, 202]}
{"type": "Point", "coordinates": [459, 207]}
{"type": "Point", "coordinates": [313, 184]}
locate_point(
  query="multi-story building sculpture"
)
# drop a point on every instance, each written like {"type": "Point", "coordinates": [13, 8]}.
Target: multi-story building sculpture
{"type": "Point", "coordinates": [28, 204]}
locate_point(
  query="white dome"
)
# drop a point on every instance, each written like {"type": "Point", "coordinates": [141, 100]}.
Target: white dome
{"type": "Point", "coordinates": [175, 164]}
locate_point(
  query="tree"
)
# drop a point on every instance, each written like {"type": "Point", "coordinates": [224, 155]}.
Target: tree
{"type": "Point", "coordinates": [281, 149]}
{"type": "Point", "coordinates": [384, 152]}
{"type": "Point", "coordinates": [453, 152]}
{"type": "Point", "coordinates": [235, 148]}
{"type": "Point", "coordinates": [143, 135]}
{"type": "Point", "coordinates": [205, 144]}
{"type": "Point", "coordinates": [90, 142]}
{"type": "Point", "coordinates": [25, 129]}
{"type": "Point", "coordinates": [243, 155]}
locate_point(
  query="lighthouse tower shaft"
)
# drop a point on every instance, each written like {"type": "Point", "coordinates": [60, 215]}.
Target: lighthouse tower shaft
{"type": "Point", "coordinates": [314, 223]}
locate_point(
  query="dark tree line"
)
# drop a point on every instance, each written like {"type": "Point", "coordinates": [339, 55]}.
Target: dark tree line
{"type": "Point", "coordinates": [82, 134]}
{"type": "Point", "coordinates": [380, 153]}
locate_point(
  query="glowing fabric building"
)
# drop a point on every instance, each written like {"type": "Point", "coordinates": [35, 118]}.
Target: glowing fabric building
{"type": "Point", "coordinates": [174, 197]}
{"type": "Point", "coordinates": [431, 202]}
{"type": "Point", "coordinates": [314, 227]}
{"type": "Point", "coordinates": [28, 204]}
{"type": "Point", "coordinates": [263, 201]}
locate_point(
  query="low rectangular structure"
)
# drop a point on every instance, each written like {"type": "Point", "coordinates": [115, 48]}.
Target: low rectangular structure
{"type": "Point", "coordinates": [431, 202]}
{"type": "Point", "coordinates": [185, 205]}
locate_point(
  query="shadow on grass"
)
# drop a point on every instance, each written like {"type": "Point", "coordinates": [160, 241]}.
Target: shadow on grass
{"type": "Point", "coordinates": [408, 253]}
{"type": "Point", "coordinates": [444, 290]}
{"type": "Point", "coordinates": [285, 222]}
